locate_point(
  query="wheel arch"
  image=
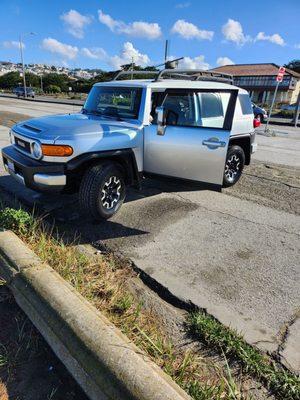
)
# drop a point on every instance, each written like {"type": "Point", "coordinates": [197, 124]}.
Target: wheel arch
{"type": "Point", "coordinates": [123, 157]}
{"type": "Point", "coordinates": [245, 143]}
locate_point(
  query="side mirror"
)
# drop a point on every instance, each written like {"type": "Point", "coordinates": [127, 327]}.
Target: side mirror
{"type": "Point", "coordinates": [161, 120]}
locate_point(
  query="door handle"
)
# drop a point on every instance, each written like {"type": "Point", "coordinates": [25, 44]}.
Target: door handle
{"type": "Point", "coordinates": [213, 144]}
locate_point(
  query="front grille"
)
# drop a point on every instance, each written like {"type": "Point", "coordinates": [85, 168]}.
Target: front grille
{"type": "Point", "coordinates": [22, 145]}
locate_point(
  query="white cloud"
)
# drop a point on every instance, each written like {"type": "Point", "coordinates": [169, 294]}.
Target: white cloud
{"type": "Point", "coordinates": [221, 61]}
{"type": "Point", "coordinates": [183, 5]}
{"type": "Point", "coordinates": [275, 38]}
{"type": "Point", "coordinates": [12, 44]}
{"type": "Point", "coordinates": [297, 46]}
{"type": "Point", "coordinates": [137, 29]}
{"type": "Point", "coordinates": [75, 22]}
{"type": "Point", "coordinates": [126, 56]}
{"type": "Point", "coordinates": [194, 63]}
{"type": "Point", "coordinates": [233, 32]}
{"type": "Point", "coordinates": [65, 50]}
{"type": "Point", "coordinates": [188, 30]}
{"type": "Point", "coordinates": [97, 53]}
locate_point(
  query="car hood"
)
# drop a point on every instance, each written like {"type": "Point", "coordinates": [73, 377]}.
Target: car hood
{"type": "Point", "coordinates": [67, 126]}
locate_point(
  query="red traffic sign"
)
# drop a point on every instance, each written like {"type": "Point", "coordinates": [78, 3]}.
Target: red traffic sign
{"type": "Point", "coordinates": [280, 74]}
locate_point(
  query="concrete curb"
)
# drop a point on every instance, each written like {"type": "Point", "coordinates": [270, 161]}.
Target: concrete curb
{"type": "Point", "coordinates": [102, 360]}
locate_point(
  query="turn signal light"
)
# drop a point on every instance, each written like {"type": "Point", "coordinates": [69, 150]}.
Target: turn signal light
{"type": "Point", "coordinates": [57, 150]}
{"type": "Point", "coordinates": [256, 123]}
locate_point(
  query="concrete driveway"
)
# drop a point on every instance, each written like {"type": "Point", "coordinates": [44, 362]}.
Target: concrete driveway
{"type": "Point", "coordinates": [235, 254]}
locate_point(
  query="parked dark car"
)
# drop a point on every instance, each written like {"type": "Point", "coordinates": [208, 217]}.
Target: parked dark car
{"type": "Point", "coordinates": [259, 113]}
{"type": "Point", "coordinates": [20, 91]}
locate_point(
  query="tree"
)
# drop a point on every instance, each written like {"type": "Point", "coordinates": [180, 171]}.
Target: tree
{"type": "Point", "coordinates": [294, 65]}
{"type": "Point", "coordinates": [10, 80]}
{"type": "Point", "coordinates": [60, 80]}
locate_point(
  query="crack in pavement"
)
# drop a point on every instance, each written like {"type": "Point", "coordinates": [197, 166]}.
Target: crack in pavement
{"type": "Point", "coordinates": [284, 331]}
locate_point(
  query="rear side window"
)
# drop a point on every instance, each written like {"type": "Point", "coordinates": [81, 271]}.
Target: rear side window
{"type": "Point", "coordinates": [212, 108]}
{"type": "Point", "coordinates": [210, 105]}
{"type": "Point", "coordinates": [245, 103]}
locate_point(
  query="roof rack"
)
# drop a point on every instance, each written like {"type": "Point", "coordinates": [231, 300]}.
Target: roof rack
{"type": "Point", "coordinates": [194, 74]}
{"type": "Point", "coordinates": [132, 73]}
{"type": "Point", "coordinates": [183, 74]}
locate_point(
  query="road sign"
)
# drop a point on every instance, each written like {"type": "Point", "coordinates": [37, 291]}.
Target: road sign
{"type": "Point", "coordinates": [279, 79]}
{"type": "Point", "coordinates": [280, 74]}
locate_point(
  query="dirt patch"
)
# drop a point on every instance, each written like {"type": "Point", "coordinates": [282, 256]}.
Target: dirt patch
{"type": "Point", "coordinates": [28, 368]}
{"type": "Point", "coordinates": [9, 119]}
{"type": "Point", "coordinates": [270, 185]}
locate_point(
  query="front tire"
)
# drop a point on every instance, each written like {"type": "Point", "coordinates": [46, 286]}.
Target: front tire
{"type": "Point", "coordinates": [234, 165]}
{"type": "Point", "coordinates": [102, 190]}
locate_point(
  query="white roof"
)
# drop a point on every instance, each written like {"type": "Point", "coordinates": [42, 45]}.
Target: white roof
{"type": "Point", "coordinates": [170, 84]}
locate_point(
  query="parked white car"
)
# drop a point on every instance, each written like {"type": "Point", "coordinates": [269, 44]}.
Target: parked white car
{"type": "Point", "coordinates": [186, 124]}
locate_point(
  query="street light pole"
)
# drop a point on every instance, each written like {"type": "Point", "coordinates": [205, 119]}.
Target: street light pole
{"type": "Point", "coordinates": [23, 68]}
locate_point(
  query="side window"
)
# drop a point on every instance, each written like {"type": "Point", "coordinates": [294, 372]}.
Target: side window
{"type": "Point", "coordinates": [212, 108]}
{"type": "Point", "coordinates": [180, 109]}
{"type": "Point", "coordinates": [245, 103]}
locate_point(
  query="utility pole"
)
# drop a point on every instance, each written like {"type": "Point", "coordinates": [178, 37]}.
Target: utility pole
{"type": "Point", "coordinates": [23, 69]}
{"type": "Point", "coordinates": [166, 52]}
{"type": "Point", "coordinates": [42, 83]}
{"type": "Point", "coordinates": [132, 66]}
{"type": "Point", "coordinates": [22, 59]}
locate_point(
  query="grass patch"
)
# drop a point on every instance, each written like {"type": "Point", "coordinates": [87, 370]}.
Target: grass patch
{"type": "Point", "coordinates": [102, 280]}
{"type": "Point", "coordinates": [212, 332]}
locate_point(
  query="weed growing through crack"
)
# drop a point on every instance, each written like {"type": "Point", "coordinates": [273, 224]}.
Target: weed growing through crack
{"type": "Point", "coordinates": [232, 345]}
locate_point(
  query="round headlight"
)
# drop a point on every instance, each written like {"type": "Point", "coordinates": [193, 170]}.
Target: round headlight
{"type": "Point", "coordinates": [37, 150]}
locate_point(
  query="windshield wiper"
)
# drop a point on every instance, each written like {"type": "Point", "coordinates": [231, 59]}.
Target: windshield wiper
{"type": "Point", "coordinates": [101, 114]}
{"type": "Point", "coordinates": [93, 112]}
{"type": "Point", "coordinates": [117, 117]}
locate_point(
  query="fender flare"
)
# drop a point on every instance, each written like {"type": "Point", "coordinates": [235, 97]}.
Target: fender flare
{"type": "Point", "coordinates": [125, 157]}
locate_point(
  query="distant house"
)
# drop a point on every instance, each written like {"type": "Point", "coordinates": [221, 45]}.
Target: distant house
{"type": "Point", "coordinates": [260, 81]}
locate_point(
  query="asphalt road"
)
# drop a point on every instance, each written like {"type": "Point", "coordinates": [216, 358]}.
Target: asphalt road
{"type": "Point", "coordinates": [44, 99]}
{"type": "Point", "coordinates": [235, 254]}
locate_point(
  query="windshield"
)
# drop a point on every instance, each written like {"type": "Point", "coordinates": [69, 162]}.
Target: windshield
{"type": "Point", "coordinates": [116, 102]}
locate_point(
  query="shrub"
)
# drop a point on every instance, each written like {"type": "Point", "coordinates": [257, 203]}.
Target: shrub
{"type": "Point", "coordinates": [53, 89]}
{"type": "Point", "coordinates": [18, 221]}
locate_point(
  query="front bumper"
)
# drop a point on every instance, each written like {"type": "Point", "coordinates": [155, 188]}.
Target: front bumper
{"type": "Point", "coordinates": [36, 175]}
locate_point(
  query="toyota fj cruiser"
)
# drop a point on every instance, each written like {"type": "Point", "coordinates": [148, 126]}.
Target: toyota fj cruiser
{"type": "Point", "coordinates": [187, 124]}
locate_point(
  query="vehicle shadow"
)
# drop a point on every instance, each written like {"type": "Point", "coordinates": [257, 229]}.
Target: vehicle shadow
{"type": "Point", "coordinates": [144, 213]}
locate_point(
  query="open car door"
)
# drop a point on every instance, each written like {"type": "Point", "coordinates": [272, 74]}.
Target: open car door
{"type": "Point", "coordinates": [196, 135]}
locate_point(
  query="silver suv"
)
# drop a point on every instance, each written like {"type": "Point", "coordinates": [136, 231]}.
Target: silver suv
{"type": "Point", "coordinates": [187, 124]}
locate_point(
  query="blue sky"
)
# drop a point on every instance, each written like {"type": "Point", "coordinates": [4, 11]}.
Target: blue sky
{"type": "Point", "coordinates": [106, 33]}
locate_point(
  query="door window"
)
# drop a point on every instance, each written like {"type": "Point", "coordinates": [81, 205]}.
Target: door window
{"type": "Point", "coordinates": [180, 109]}
{"type": "Point", "coordinates": [194, 108]}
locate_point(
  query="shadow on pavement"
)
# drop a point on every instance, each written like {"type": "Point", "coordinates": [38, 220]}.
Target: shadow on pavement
{"type": "Point", "coordinates": [144, 213]}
